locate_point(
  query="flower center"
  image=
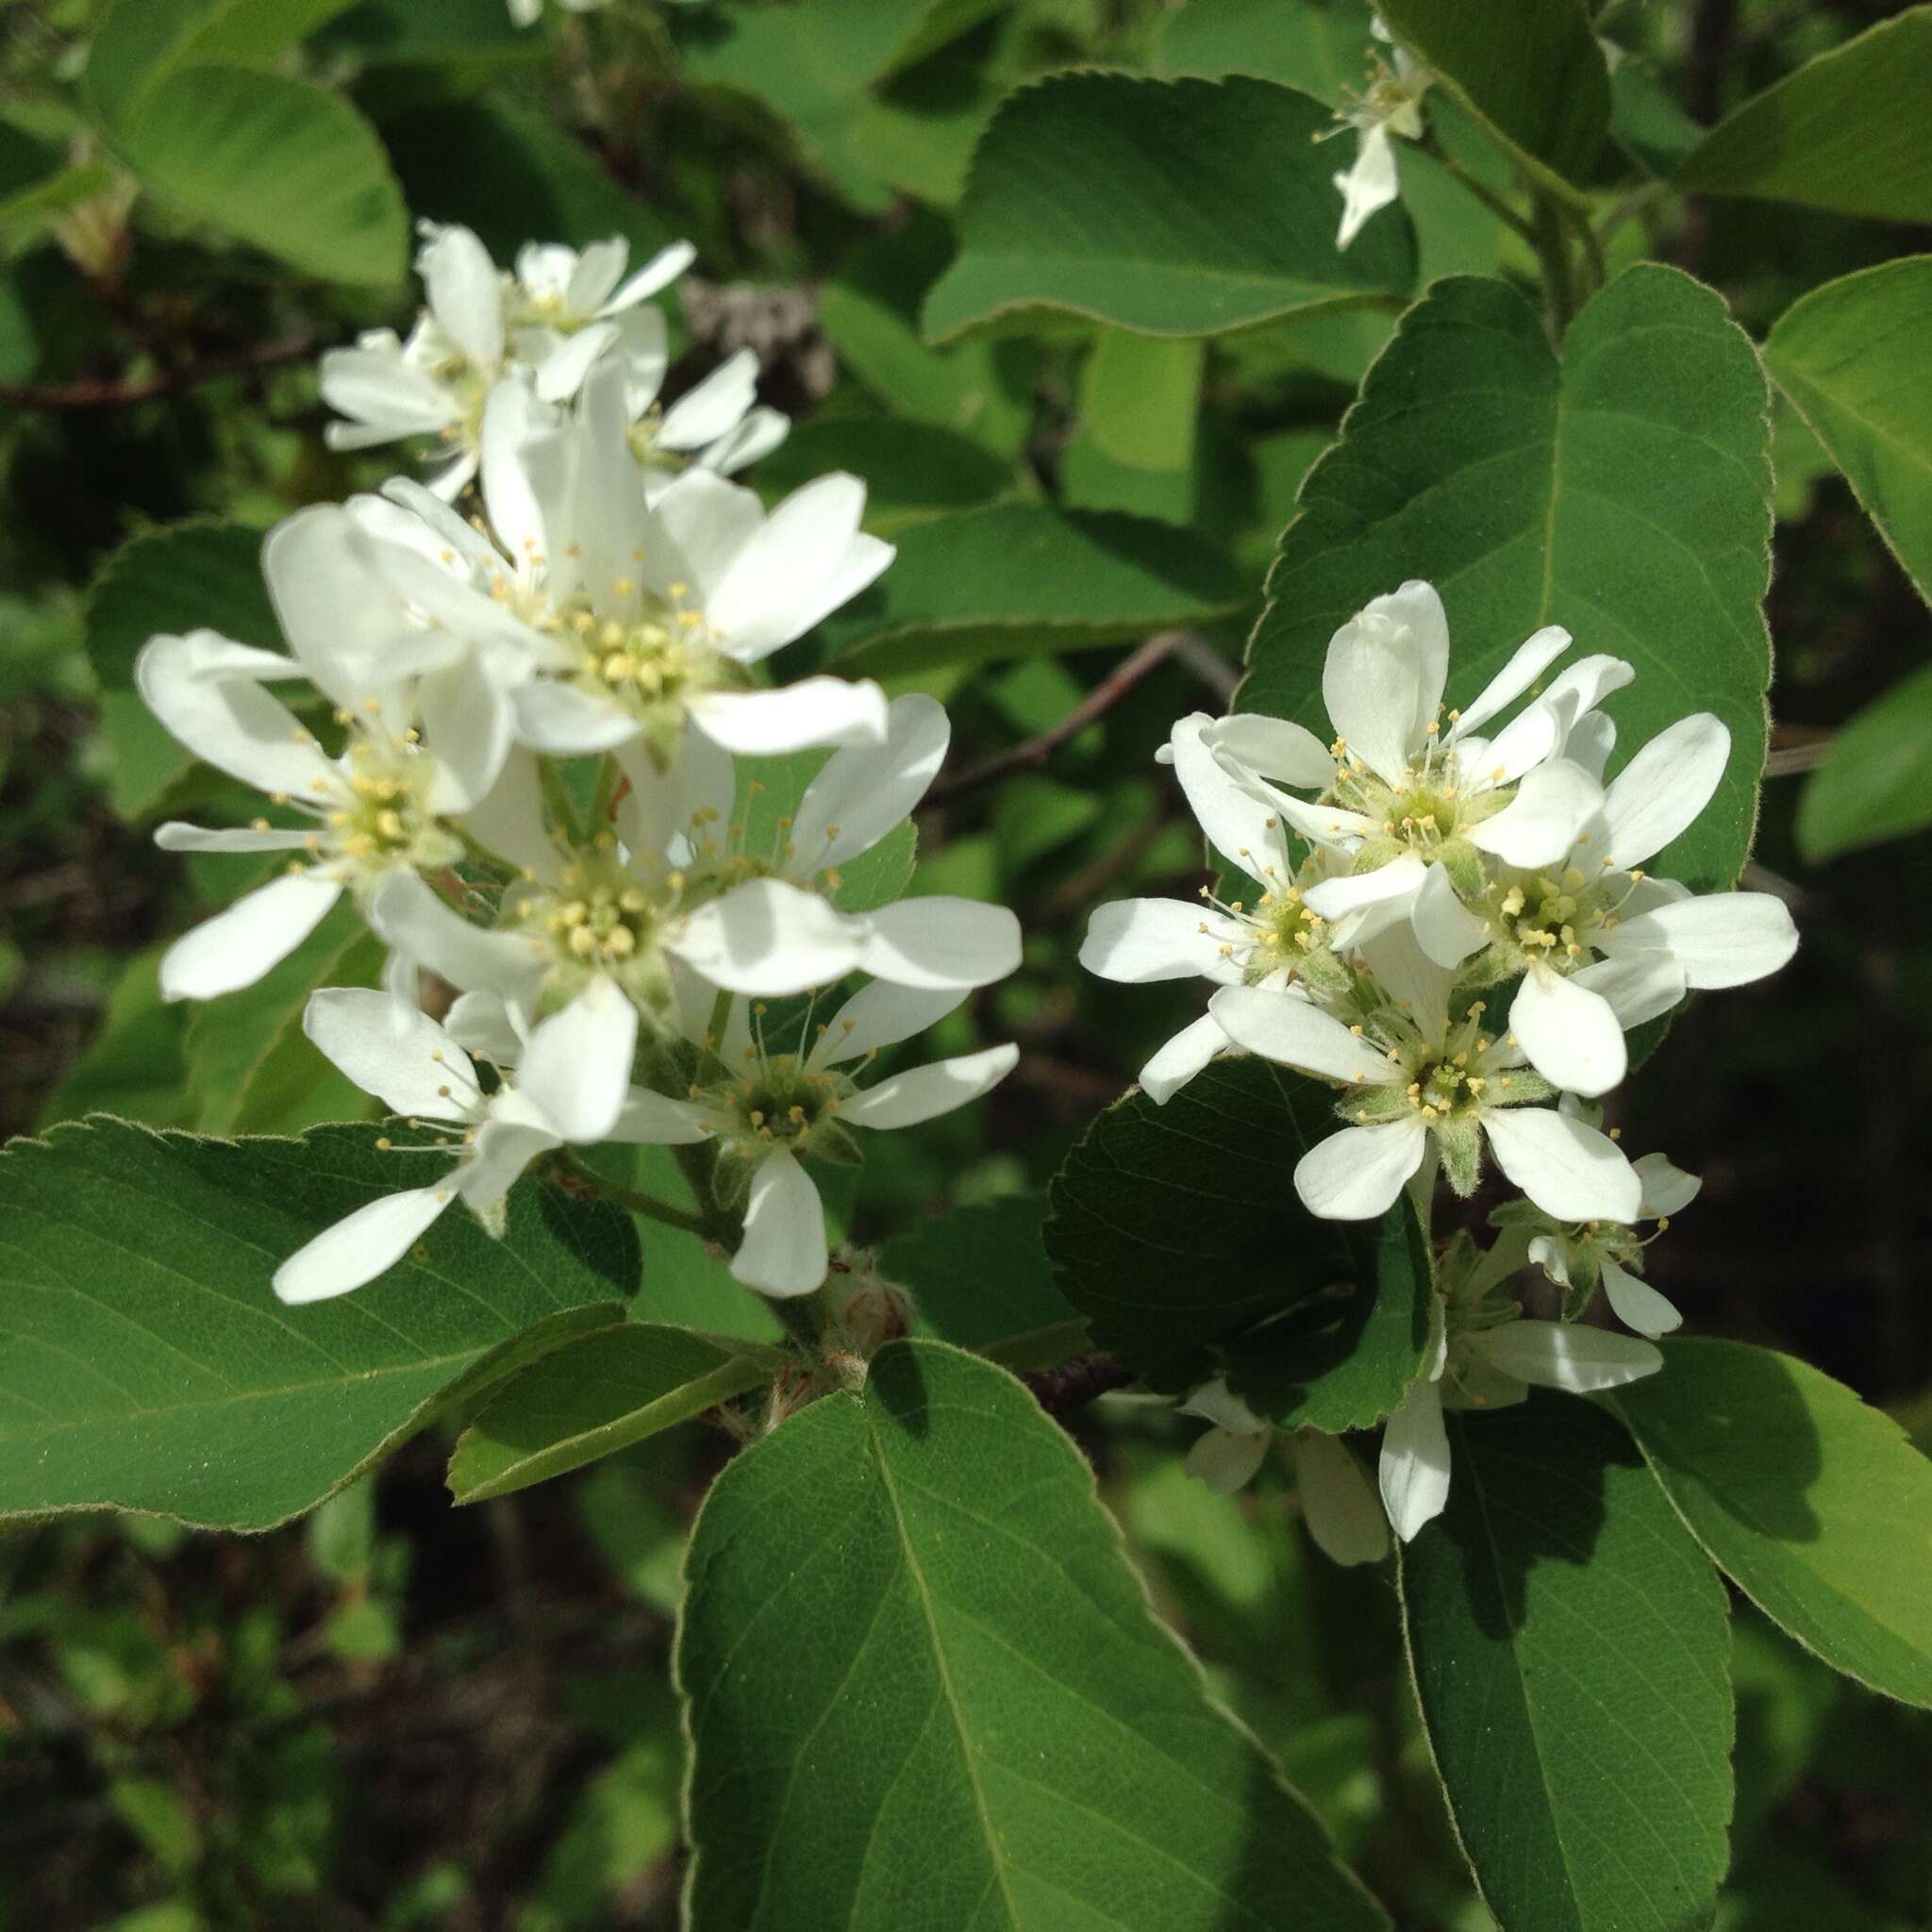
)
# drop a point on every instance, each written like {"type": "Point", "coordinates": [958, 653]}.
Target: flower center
{"type": "Point", "coordinates": [377, 820]}
{"type": "Point", "coordinates": [779, 1103]}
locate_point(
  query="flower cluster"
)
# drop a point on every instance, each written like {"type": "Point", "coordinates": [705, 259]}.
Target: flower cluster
{"type": "Point", "coordinates": [523, 741]}
{"type": "Point", "coordinates": [1450, 923]}
{"type": "Point", "coordinates": [1389, 104]}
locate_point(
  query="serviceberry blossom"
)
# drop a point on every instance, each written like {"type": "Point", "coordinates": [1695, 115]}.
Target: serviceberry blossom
{"type": "Point", "coordinates": [1486, 1355]}
{"type": "Point", "coordinates": [770, 1109]}
{"type": "Point", "coordinates": [1390, 104]}
{"type": "Point", "coordinates": [566, 1089]}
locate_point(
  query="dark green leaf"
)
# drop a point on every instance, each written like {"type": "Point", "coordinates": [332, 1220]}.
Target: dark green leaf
{"type": "Point", "coordinates": [1319, 46]}
{"type": "Point", "coordinates": [1177, 1231]}
{"type": "Point", "coordinates": [1178, 208]}
{"type": "Point", "coordinates": [1570, 1647]}
{"type": "Point", "coordinates": [1848, 131]}
{"type": "Point", "coordinates": [911, 470]}
{"type": "Point", "coordinates": [1851, 356]}
{"type": "Point", "coordinates": [593, 1398]}
{"type": "Point", "coordinates": [980, 1279]}
{"type": "Point", "coordinates": [958, 1712]}
{"type": "Point", "coordinates": [1816, 1507]}
{"type": "Point", "coordinates": [1624, 492]}
{"type": "Point", "coordinates": [1018, 579]}
{"type": "Point", "coordinates": [187, 576]}
{"type": "Point", "coordinates": [147, 1364]}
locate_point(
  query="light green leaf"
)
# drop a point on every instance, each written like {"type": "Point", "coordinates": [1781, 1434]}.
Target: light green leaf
{"type": "Point", "coordinates": [148, 1366]}
{"type": "Point", "coordinates": [593, 1398]}
{"type": "Point", "coordinates": [980, 1279]}
{"type": "Point", "coordinates": [1646, 122]}
{"type": "Point", "coordinates": [952, 1651]}
{"type": "Point", "coordinates": [1531, 71]}
{"type": "Point", "coordinates": [512, 176]}
{"type": "Point", "coordinates": [1622, 493]}
{"type": "Point", "coordinates": [1018, 579]}
{"type": "Point", "coordinates": [1139, 396]}
{"type": "Point", "coordinates": [1319, 46]}
{"type": "Point", "coordinates": [1176, 1232]}
{"type": "Point", "coordinates": [1180, 208]}
{"type": "Point", "coordinates": [1848, 131]}
{"type": "Point", "coordinates": [201, 575]}
{"type": "Point", "coordinates": [1851, 356]}
{"type": "Point", "coordinates": [1818, 1507]}
{"type": "Point", "coordinates": [274, 162]}
{"type": "Point", "coordinates": [1570, 1647]}
{"type": "Point", "coordinates": [1875, 782]}
{"type": "Point", "coordinates": [135, 1065]}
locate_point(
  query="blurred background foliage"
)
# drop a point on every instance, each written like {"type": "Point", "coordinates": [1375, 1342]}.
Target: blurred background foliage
{"type": "Point", "coordinates": [400, 1714]}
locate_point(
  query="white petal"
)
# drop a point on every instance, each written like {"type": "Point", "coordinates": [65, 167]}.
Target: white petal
{"type": "Point", "coordinates": [806, 558]}
{"type": "Point", "coordinates": [226, 718]}
{"type": "Point", "coordinates": [1414, 1470]}
{"type": "Point", "coordinates": [562, 373]}
{"type": "Point", "coordinates": [813, 711]}
{"type": "Point", "coordinates": [407, 914]}
{"type": "Point", "coordinates": [658, 273]}
{"type": "Point", "coordinates": [595, 276]}
{"type": "Point", "coordinates": [1662, 788]}
{"type": "Point", "coordinates": [508, 819]}
{"type": "Point", "coordinates": [1218, 1404]}
{"type": "Point", "coordinates": [507, 1142]}
{"type": "Point", "coordinates": [758, 435]}
{"type": "Point", "coordinates": [1290, 1030]}
{"type": "Point", "coordinates": [939, 940]}
{"type": "Point", "coordinates": [923, 1093]}
{"type": "Point", "coordinates": [1410, 977]}
{"type": "Point", "coordinates": [1239, 822]}
{"type": "Point", "coordinates": [783, 1252]}
{"type": "Point", "coordinates": [1636, 986]}
{"type": "Point", "coordinates": [1667, 1190]}
{"type": "Point", "coordinates": [697, 529]}
{"type": "Point", "coordinates": [1174, 1064]}
{"type": "Point", "coordinates": [1373, 683]}
{"type": "Point", "coordinates": [1540, 825]}
{"type": "Point", "coordinates": [343, 622]}
{"type": "Point", "coordinates": [1371, 184]}
{"type": "Point", "coordinates": [1591, 742]}
{"type": "Point", "coordinates": [399, 1055]}
{"type": "Point", "coordinates": [176, 837]}
{"type": "Point", "coordinates": [359, 1247]}
{"type": "Point", "coordinates": [1569, 1170]}
{"type": "Point", "coordinates": [1338, 1504]}
{"type": "Point", "coordinates": [1275, 748]}
{"type": "Point", "coordinates": [1446, 931]}
{"type": "Point", "coordinates": [465, 293]}
{"type": "Point", "coordinates": [576, 1069]}
{"type": "Point", "coordinates": [1638, 1305]}
{"type": "Point", "coordinates": [481, 1022]}
{"type": "Point", "coordinates": [864, 792]}
{"type": "Point", "coordinates": [1549, 1253]}
{"type": "Point", "coordinates": [512, 422]}
{"type": "Point", "coordinates": [1326, 826]}
{"type": "Point", "coordinates": [1138, 940]}
{"type": "Point", "coordinates": [663, 1121]}
{"type": "Point", "coordinates": [607, 517]}
{"type": "Point", "coordinates": [238, 944]}
{"type": "Point", "coordinates": [567, 722]}
{"type": "Point", "coordinates": [1529, 662]}
{"type": "Point", "coordinates": [390, 397]}
{"type": "Point", "coordinates": [881, 1015]}
{"type": "Point", "coordinates": [709, 409]}
{"type": "Point", "coordinates": [1227, 1459]}
{"type": "Point", "coordinates": [1571, 1034]}
{"type": "Point", "coordinates": [1359, 1173]}
{"type": "Point", "coordinates": [1568, 1355]}
{"type": "Point", "coordinates": [1580, 686]}
{"type": "Point", "coordinates": [1722, 938]}
{"type": "Point", "coordinates": [469, 718]}
{"type": "Point", "coordinates": [769, 938]}
{"type": "Point", "coordinates": [1401, 879]}
{"type": "Point", "coordinates": [1536, 733]}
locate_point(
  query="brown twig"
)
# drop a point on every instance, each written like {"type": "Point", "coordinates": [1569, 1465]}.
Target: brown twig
{"type": "Point", "coordinates": [1076, 1383]}
{"type": "Point", "coordinates": [119, 393]}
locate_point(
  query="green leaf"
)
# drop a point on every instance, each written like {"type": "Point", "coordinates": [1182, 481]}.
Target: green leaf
{"type": "Point", "coordinates": [512, 174]}
{"type": "Point", "coordinates": [1851, 356]}
{"type": "Point", "coordinates": [148, 1366]}
{"type": "Point", "coordinates": [1017, 579]}
{"type": "Point", "coordinates": [911, 470]}
{"type": "Point", "coordinates": [1139, 396]}
{"type": "Point", "coordinates": [1875, 782]}
{"type": "Point", "coordinates": [251, 1067]}
{"type": "Point", "coordinates": [1139, 203]}
{"type": "Point", "coordinates": [1570, 1647]}
{"type": "Point", "coordinates": [593, 1398]}
{"type": "Point", "coordinates": [1530, 69]}
{"type": "Point", "coordinates": [30, 212]}
{"type": "Point", "coordinates": [1316, 45]}
{"type": "Point", "coordinates": [1624, 492]}
{"type": "Point", "coordinates": [1176, 1231]}
{"type": "Point", "coordinates": [958, 1712]}
{"type": "Point", "coordinates": [201, 575]}
{"type": "Point", "coordinates": [136, 1064]}
{"type": "Point", "coordinates": [435, 32]}
{"type": "Point", "coordinates": [1815, 1506]}
{"type": "Point", "coordinates": [1646, 122]}
{"type": "Point", "coordinates": [1847, 132]}
{"type": "Point", "coordinates": [980, 1279]}
{"type": "Point", "coordinates": [274, 162]}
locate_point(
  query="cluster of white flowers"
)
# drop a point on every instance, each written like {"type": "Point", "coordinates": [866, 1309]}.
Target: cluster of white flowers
{"type": "Point", "coordinates": [1410, 876]}
{"type": "Point", "coordinates": [523, 764]}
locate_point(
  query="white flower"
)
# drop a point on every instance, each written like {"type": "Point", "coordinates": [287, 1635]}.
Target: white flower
{"type": "Point", "coordinates": [633, 622]}
{"type": "Point", "coordinates": [718, 423]}
{"type": "Point", "coordinates": [527, 12]}
{"type": "Point", "coordinates": [782, 1106]}
{"type": "Point", "coordinates": [1581, 1256]}
{"type": "Point", "coordinates": [1392, 105]}
{"type": "Point", "coordinates": [1337, 1503]}
{"type": "Point", "coordinates": [566, 310]}
{"type": "Point", "coordinates": [1486, 1356]}
{"type": "Point", "coordinates": [1416, 1081]}
{"type": "Point", "coordinates": [567, 1090]}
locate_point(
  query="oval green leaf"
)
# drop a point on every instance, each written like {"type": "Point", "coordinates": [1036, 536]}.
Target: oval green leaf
{"type": "Point", "coordinates": [1622, 491]}
{"type": "Point", "coordinates": [1875, 781]}
{"type": "Point", "coordinates": [1818, 1507]}
{"type": "Point", "coordinates": [958, 1711]}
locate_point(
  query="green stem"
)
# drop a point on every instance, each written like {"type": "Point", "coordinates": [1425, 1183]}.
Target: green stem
{"type": "Point", "coordinates": [1632, 204]}
{"type": "Point", "coordinates": [609, 775]}
{"type": "Point", "coordinates": [1553, 257]}
{"type": "Point", "coordinates": [1592, 253]}
{"type": "Point", "coordinates": [634, 1200]}
{"type": "Point", "coordinates": [556, 800]}
{"type": "Point", "coordinates": [1480, 189]}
